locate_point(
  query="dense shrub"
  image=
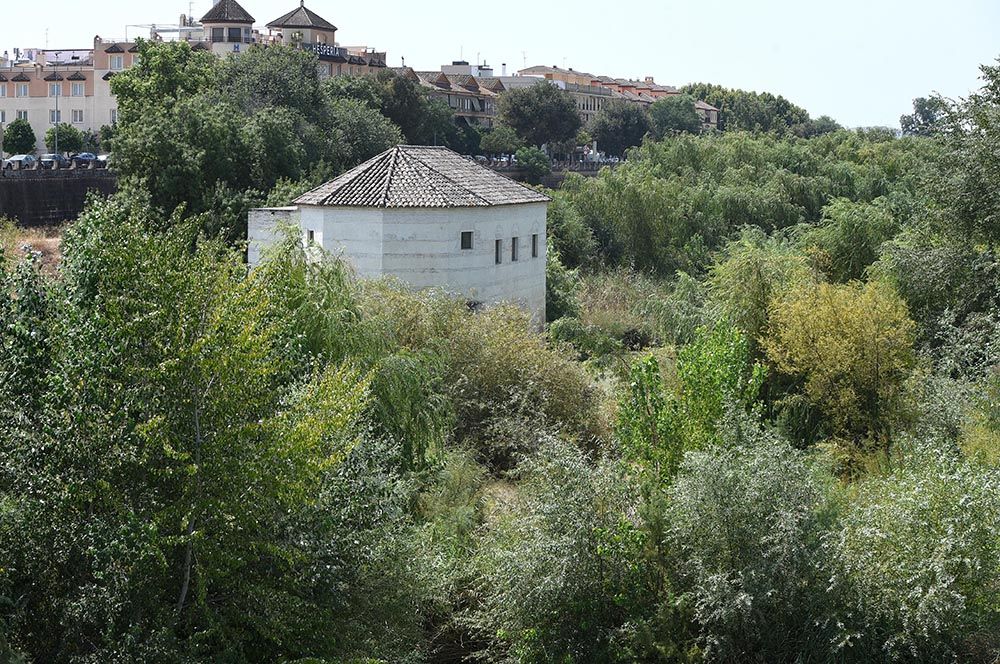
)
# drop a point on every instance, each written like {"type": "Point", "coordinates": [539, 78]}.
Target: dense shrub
{"type": "Point", "coordinates": [918, 550]}
{"type": "Point", "coordinates": [562, 574]}
{"type": "Point", "coordinates": [746, 524]}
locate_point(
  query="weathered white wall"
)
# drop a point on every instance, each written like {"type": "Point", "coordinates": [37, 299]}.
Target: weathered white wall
{"type": "Point", "coordinates": [265, 227]}
{"type": "Point", "coordinates": [423, 247]}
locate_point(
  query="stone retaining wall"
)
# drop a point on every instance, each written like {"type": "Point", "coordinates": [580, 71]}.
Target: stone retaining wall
{"type": "Point", "coordinates": [46, 198]}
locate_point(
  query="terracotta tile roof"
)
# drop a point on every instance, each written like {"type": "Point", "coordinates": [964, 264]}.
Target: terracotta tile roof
{"type": "Point", "coordinates": [76, 76]}
{"type": "Point", "coordinates": [704, 106]}
{"type": "Point", "coordinates": [54, 76]}
{"type": "Point", "coordinates": [114, 48]}
{"type": "Point", "coordinates": [227, 11]}
{"type": "Point", "coordinates": [301, 17]}
{"type": "Point", "coordinates": [21, 78]}
{"type": "Point", "coordinates": [411, 176]}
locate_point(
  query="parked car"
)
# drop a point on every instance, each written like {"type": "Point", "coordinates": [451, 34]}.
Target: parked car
{"type": "Point", "coordinates": [102, 160]}
{"type": "Point", "coordinates": [54, 161]}
{"type": "Point", "coordinates": [84, 158]}
{"type": "Point", "coordinates": [19, 161]}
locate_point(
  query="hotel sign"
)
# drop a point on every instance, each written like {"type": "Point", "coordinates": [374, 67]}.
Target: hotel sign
{"type": "Point", "coordinates": [327, 52]}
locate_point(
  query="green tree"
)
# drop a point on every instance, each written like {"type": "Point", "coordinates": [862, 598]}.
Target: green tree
{"type": "Point", "coordinates": [360, 132]}
{"type": "Point", "coordinates": [167, 73]}
{"type": "Point", "coordinates": [851, 235]}
{"type": "Point", "coordinates": [674, 114]}
{"type": "Point", "coordinates": [534, 163]}
{"type": "Point", "coordinates": [70, 138]}
{"type": "Point", "coordinates": [501, 140]}
{"type": "Point", "coordinates": [202, 428]}
{"type": "Point", "coordinates": [657, 425]}
{"type": "Point", "coordinates": [619, 126]}
{"type": "Point", "coordinates": [540, 114]}
{"type": "Point", "coordinates": [752, 272]}
{"type": "Point", "coordinates": [973, 160]}
{"type": "Point", "coordinates": [824, 124]}
{"type": "Point", "coordinates": [19, 138]}
{"type": "Point", "coordinates": [749, 111]}
{"type": "Point", "coordinates": [928, 117]}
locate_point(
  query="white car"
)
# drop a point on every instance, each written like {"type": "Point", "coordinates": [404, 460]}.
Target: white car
{"type": "Point", "coordinates": [18, 161]}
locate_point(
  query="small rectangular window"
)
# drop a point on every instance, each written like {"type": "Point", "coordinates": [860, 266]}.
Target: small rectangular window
{"type": "Point", "coordinates": [312, 236]}
{"type": "Point", "coordinates": [76, 90]}
{"type": "Point", "coordinates": [117, 62]}
{"type": "Point", "coordinates": [22, 90]}
{"type": "Point", "coordinates": [55, 89]}
{"type": "Point", "coordinates": [235, 35]}
{"type": "Point", "coordinates": [466, 240]}
{"type": "Point", "coordinates": [3, 117]}
{"type": "Point", "coordinates": [55, 117]}
{"type": "Point", "coordinates": [3, 89]}
{"type": "Point", "coordinates": [22, 115]}
{"type": "Point", "coordinates": [218, 35]}
{"type": "Point", "coordinates": [114, 115]}
{"type": "Point", "coordinates": [499, 252]}
{"type": "Point", "coordinates": [77, 117]}
{"type": "Point", "coordinates": [534, 245]}
{"type": "Point", "coordinates": [513, 249]}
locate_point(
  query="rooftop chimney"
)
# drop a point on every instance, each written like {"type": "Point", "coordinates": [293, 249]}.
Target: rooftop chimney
{"type": "Point", "coordinates": [503, 68]}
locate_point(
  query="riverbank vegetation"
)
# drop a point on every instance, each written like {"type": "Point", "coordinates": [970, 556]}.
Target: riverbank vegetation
{"type": "Point", "coordinates": [760, 426]}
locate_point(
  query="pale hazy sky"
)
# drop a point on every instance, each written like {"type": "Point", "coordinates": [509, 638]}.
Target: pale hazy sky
{"type": "Point", "coordinates": [860, 61]}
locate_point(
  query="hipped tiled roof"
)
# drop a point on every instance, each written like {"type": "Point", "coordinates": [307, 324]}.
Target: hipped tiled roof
{"type": "Point", "coordinates": [21, 78]}
{"type": "Point", "coordinates": [301, 17]}
{"type": "Point", "coordinates": [77, 76]}
{"type": "Point", "coordinates": [410, 176]}
{"type": "Point", "coordinates": [227, 11]}
{"type": "Point", "coordinates": [54, 76]}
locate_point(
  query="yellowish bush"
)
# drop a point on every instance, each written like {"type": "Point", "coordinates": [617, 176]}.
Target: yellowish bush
{"type": "Point", "coordinates": [852, 347]}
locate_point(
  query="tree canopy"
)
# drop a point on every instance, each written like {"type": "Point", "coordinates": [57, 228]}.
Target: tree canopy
{"type": "Point", "coordinates": [618, 127]}
{"type": "Point", "coordinates": [540, 114]}
{"type": "Point", "coordinates": [19, 138]}
{"type": "Point", "coordinates": [674, 114]}
{"type": "Point", "coordinates": [748, 111]}
{"type": "Point", "coordinates": [70, 138]}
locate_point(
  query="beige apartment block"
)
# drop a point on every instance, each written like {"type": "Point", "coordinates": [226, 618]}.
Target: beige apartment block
{"type": "Point", "coordinates": [74, 86]}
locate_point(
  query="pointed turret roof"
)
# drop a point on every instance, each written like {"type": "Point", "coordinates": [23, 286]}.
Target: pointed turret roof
{"type": "Point", "coordinates": [227, 11]}
{"type": "Point", "coordinates": [413, 176]}
{"type": "Point", "coordinates": [302, 17]}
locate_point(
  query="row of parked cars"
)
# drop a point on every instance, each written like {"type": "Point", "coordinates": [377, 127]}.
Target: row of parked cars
{"type": "Point", "coordinates": [55, 161]}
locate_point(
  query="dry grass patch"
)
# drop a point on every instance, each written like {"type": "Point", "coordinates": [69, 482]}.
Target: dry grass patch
{"type": "Point", "coordinates": [46, 241]}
